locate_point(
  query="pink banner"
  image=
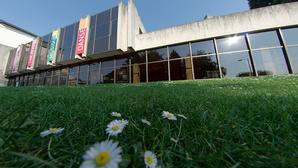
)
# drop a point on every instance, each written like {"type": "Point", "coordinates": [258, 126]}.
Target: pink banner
{"type": "Point", "coordinates": [31, 55]}
{"type": "Point", "coordinates": [16, 59]}
{"type": "Point", "coordinates": [81, 41]}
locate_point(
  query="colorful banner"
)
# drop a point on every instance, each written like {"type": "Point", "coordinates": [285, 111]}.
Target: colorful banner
{"type": "Point", "coordinates": [81, 36]}
{"type": "Point", "coordinates": [31, 55]}
{"type": "Point", "coordinates": [52, 46]}
{"type": "Point", "coordinates": [16, 59]}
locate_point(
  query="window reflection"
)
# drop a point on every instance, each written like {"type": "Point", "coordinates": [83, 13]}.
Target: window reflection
{"type": "Point", "coordinates": [158, 71]}
{"type": "Point", "coordinates": [157, 54]}
{"type": "Point", "coordinates": [206, 67]}
{"type": "Point", "coordinates": [103, 30]}
{"type": "Point", "coordinates": [94, 77]}
{"type": "Point", "coordinates": [270, 62]}
{"type": "Point", "coordinates": [140, 57]}
{"type": "Point", "coordinates": [101, 45]}
{"type": "Point", "coordinates": [107, 75]}
{"type": "Point", "coordinates": [107, 63]}
{"type": "Point", "coordinates": [293, 53]}
{"type": "Point", "coordinates": [181, 69]}
{"type": "Point", "coordinates": [113, 42]}
{"type": "Point", "coordinates": [235, 43]}
{"type": "Point", "coordinates": [263, 40]}
{"type": "Point", "coordinates": [72, 76]}
{"type": "Point", "coordinates": [122, 74]}
{"type": "Point", "coordinates": [63, 76]}
{"type": "Point", "coordinates": [115, 13]}
{"type": "Point", "coordinates": [290, 36]}
{"type": "Point", "coordinates": [235, 65]}
{"type": "Point", "coordinates": [179, 51]}
{"type": "Point", "coordinates": [103, 17]}
{"type": "Point", "coordinates": [202, 48]}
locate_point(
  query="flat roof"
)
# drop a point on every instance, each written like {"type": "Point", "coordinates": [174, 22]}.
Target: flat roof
{"type": "Point", "coordinates": [16, 27]}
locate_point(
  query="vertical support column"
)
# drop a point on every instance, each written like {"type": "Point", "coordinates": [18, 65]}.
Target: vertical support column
{"type": "Point", "coordinates": [129, 69]}
{"type": "Point", "coordinates": [169, 66]}
{"type": "Point", "coordinates": [115, 69]}
{"type": "Point", "coordinates": [147, 71]}
{"type": "Point", "coordinates": [217, 58]}
{"type": "Point", "coordinates": [285, 51]}
{"type": "Point", "coordinates": [254, 69]}
{"type": "Point", "coordinates": [191, 61]}
{"type": "Point", "coordinates": [99, 73]}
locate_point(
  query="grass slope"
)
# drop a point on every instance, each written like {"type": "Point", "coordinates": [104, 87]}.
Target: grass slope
{"type": "Point", "coordinates": [237, 122]}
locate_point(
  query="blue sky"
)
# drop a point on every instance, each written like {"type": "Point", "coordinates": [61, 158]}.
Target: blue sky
{"type": "Point", "coordinates": [40, 17]}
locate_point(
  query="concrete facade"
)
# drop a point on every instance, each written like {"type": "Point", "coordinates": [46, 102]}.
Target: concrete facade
{"type": "Point", "coordinates": [247, 21]}
{"type": "Point", "coordinates": [4, 54]}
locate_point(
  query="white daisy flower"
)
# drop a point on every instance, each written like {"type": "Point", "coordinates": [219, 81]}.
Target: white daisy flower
{"type": "Point", "coordinates": [124, 122]}
{"type": "Point", "coordinates": [150, 159]}
{"type": "Point", "coordinates": [180, 115]}
{"type": "Point", "coordinates": [51, 131]}
{"type": "Point", "coordinates": [115, 114]}
{"type": "Point", "coordinates": [168, 115]}
{"type": "Point", "coordinates": [114, 128]}
{"type": "Point", "coordinates": [104, 154]}
{"type": "Point", "coordinates": [146, 122]}
{"type": "Point", "coordinates": [174, 140]}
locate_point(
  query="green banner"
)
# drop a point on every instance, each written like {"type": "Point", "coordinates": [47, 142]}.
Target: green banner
{"type": "Point", "coordinates": [52, 46]}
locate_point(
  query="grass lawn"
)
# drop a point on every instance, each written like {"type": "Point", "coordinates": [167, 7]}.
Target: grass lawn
{"type": "Point", "coordinates": [235, 122]}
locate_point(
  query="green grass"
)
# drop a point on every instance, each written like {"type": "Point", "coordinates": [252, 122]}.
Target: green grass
{"type": "Point", "coordinates": [239, 122]}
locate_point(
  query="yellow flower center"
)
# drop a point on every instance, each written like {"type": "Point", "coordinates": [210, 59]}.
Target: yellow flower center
{"type": "Point", "coordinates": [120, 121]}
{"type": "Point", "coordinates": [102, 158]}
{"type": "Point", "coordinates": [149, 159]}
{"type": "Point", "coordinates": [53, 130]}
{"type": "Point", "coordinates": [116, 114]}
{"type": "Point", "coordinates": [115, 128]}
{"type": "Point", "coordinates": [170, 115]}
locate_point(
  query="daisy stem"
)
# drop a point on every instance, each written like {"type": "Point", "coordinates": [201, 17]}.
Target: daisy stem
{"type": "Point", "coordinates": [144, 139]}
{"type": "Point", "coordinates": [179, 131]}
{"type": "Point", "coordinates": [49, 147]}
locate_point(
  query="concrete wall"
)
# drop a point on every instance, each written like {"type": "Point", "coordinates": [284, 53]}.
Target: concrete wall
{"type": "Point", "coordinates": [12, 37]}
{"type": "Point", "coordinates": [129, 25]}
{"type": "Point", "coordinates": [247, 21]}
{"type": "Point", "coordinates": [4, 54]}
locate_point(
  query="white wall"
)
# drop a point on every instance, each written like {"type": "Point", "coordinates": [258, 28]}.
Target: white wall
{"type": "Point", "coordinates": [247, 21]}
{"type": "Point", "coordinates": [12, 37]}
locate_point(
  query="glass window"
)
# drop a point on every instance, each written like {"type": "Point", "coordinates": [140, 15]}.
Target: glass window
{"type": "Point", "coordinates": [138, 73]}
{"type": "Point", "coordinates": [122, 75]}
{"type": "Point", "coordinates": [101, 45]}
{"type": "Point", "coordinates": [93, 20]}
{"type": "Point", "coordinates": [290, 36]}
{"type": "Point", "coordinates": [114, 27]}
{"type": "Point", "coordinates": [103, 17]}
{"type": "Point", "coordinates": [179, 51]}
{"type": "Point", "coordinates": [90, 47]}
{"type": "Point", "coordinates": [94, 77]}
{"type": "Point", "coordinates": [68, 42]}
{"type": "Point", "coordinates": [73, 69]}
{"type": "Point", "coordinates": [115, 13]}
{"type": "Point", "coordinates": [66, 53]}
{"type": "Point", "coordinates": [36, 78]}
{"type": "Point", "coordinates": [84, 67]}
{"type": "Point", "coordinates": [94, 66]}
{"type": "Point", "coordinates": [107, 75]}
{"type": "Point", "coordinates": [83, 77]}
{"type": "Point", "coordinates": [70, 30]}
{"type": "Point", "coordinates": [48, 78]}
{"type": "Point", "coordinates": [42, 78]}
{"type": "Point", "coordinates": [63, 76]}
{"type": "Point", "coordinates": [92, 31]}
{"type": "Point", "coordinates": [206, 67]}
{"type": "Point", "coordinates": [158, 71]}
{"type": "Point", "coordinates": [103, 30]}
{"type": "Point", "coordinates": [270, 62]}
{"type": "Point", "coordinates": [140, 57]}
{"type": "Point", "coordinates": [229, 44]}
{"type": "Point", "coordinates": [107, 62]}
{"type": "Point", "coordinates": [122, 61]}
{"type": "Point", "coordinates": [235, 65]}
{"type": "Point", "coordinates": [113, 42]}
{"type": "Point", "coordinates": [293, 53]}
{"type": "Point", "coordinates": [181, 69]}
{"type": "Point", "coordinates": [202, 48]}
{"type": "Point", "coordinates": [55, 79]}
{"type": "Point", "coordinates": [263, 40]}
{"type": "Point", "coordinates": [157, 54]}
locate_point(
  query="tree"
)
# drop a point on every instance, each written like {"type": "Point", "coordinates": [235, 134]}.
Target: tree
{"type": "Point", "coordinates": [261, 3]}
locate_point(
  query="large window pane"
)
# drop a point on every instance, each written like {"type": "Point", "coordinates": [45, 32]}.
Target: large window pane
{"type": "Point", "coordinates": [139, 57]}
{"type": "Point", "coordinates": [293, 52]}
{"type": "Point", "coordinates": [157, 54]}
{"type": "Point", "coordinates": [42, 78]}
{"type": "Point", "coordinates": [93, 20]}
{"type": "Point", "coordinates": [202, 48]}
{"type": "Point", "coordinates": [63, 76]}
{"type": "Point", "coordinates": [107, 75]}
{"type": "Point", "coordinates": [69, 30]}
{"type": "Point", "coordinates": [263, 40]}
{"type": "Point", "coordinates": [83, 77]}
{"type": "Point", "coordinates": [55, 80]}
{"type": "Point", "coordinates": [48, 78]}
{"type": "Point", "coordinates": [138, 73]}
{"type": "Point", "coordinates": [36, 78]}
{"type": "Point", "coordinates": [113, 42]}
{"type": "Point", "coordinates": [66, 53]}
{"type": "Point", "coordinates": [94, 77]}
{"type": "Point", "coordinates": [115, 13]}
{"type": "Point", "coordinates": [122, 75]}
{"type": "Point", "coordinates": [107, 62]}
{"type": "Point", "coordinates": [103, 30]}
{"type": "Point", "coordinates": [206, 67]}
{"type": "Point", "coordinates": [229, 44]}
{"type": "Point", "coordinates": [179, 51]}
{"type": "Point", "coordinates": [94, 66]}
{"type": "Point", "coordinates": [114, 27]}
{"type": "Point", "coordinates": [102, 45]}
{"type": "Point", "coordinates": [181, 69]}
{"type": "Point", "coordinates": [290, 36]}
{"type": "Point", "coordinates": [122, 60]}
{"type": "Point", "coordinates": [158, 71]}
{"type": "Point", "coordinates": [90, 47]}
{"type": "Point", "coordinates": [103, 17]}
{"type": "Point", "coordinates": [270, 62]}
{"type": "Point", "coordinates": [235, 65]}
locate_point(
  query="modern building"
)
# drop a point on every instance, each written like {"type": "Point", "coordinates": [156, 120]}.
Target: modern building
{"type": "Point", "coordinates": [10, 37]}
{"type": "Point", "coordinates": [114, 47]}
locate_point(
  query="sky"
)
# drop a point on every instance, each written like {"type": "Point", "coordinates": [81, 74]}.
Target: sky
{"type": "Point", "coordinates": [41, 17]}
